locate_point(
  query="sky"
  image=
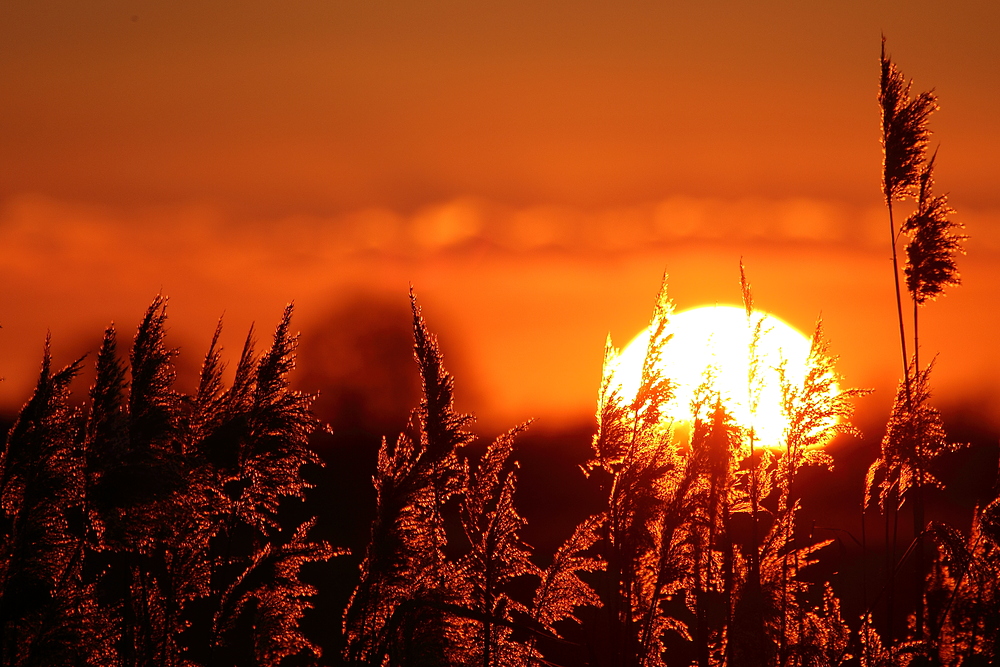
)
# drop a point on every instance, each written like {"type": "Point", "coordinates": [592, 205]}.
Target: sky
{"type": "Point", "coordinates": [530, 169]}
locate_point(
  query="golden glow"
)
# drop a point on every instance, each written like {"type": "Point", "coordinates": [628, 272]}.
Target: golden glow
{"type": "Point", "coordinates": [719, 338]}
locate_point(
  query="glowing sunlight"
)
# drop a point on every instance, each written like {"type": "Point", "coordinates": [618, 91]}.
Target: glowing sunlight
{"type": "Point", "coordinates": [718, 339]}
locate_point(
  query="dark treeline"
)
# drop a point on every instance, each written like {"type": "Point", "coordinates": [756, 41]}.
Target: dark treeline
{"type": "Point", "coordinates": [151, 527]}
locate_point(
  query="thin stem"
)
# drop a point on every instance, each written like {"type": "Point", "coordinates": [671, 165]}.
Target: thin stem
{"type": "Point", "coordinates": [890, 558]}
{"type": "Point", "coordinates": [906, 382]}
{"type": "Point", "coordinates": [754, 502]}
{"type": "Point", "coordinates": [899, 299]}
{"type": "Point", "coordinates": [918, 497]}
{"type": "Point", "coordinates": [892, 594]}
{"type": "Point", "coordinates": [783, 507]}
{"type": "Point", "coordinates": [864, 556]}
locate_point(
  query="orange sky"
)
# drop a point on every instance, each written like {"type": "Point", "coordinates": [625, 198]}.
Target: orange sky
{"type": "Point", "coordinates": [531, 168]}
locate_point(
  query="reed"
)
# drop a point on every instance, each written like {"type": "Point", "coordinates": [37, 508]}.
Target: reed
{"type": "Point", "coordinates": [146, 512]}
{"type": "Point", "coordinates": [933, 241]}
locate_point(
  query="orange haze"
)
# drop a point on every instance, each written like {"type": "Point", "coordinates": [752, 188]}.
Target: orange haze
{"type": "Point", "coordinates": [531, 169]}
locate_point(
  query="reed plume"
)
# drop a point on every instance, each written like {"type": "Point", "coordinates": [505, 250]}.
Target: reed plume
{"type": "Point", "coordinates": [930, 267]}
{"type": "Point", "coordinates": [257, 434]}
{"type": "Point", "coordinates": [497, 555]}
{"type": "Point", "coordinates": [405, 559]}
{"type": "Point", "coordinates": [561, 591]}
{"type": "Point", "coordinates": [49, 611]}
{"type": "Point", "coordinates": [416, 603]}
{"type": "Point", "coordinates": [905, 135]}
{"type": "Point", "coordinates": [904, 130]}
{"type": "Point", "coordinates": [149, 512]}
{"type": "Point", "coordinates": [962, 596]}
{"type": "Point", "coordinates": [679, 585]}
{"type": "Point", "coordinates": [634, 449]}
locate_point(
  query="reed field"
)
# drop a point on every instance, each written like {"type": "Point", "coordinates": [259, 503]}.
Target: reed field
{"type": "Point", "coordinates": [146, 526]}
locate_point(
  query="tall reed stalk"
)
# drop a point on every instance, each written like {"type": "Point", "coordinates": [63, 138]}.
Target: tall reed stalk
{"type": "Point", "coordinates": [907, 174]}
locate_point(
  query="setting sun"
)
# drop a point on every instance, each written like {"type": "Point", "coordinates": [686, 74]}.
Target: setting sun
{"type": "Point", "coordinates": [718, 338]}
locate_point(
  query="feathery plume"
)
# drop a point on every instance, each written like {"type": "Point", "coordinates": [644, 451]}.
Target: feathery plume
{"type": "Point", "coordinates": [904, 130]}
{"type": "Point", "coordinates": [914, 439]}
{"type": "Point", "coordinates": [930, 255]}
{"type": "Point", "coordinates": [405, 560]}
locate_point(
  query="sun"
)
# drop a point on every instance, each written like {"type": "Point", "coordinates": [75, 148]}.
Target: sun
{"type": "Point", "coordinates": [719, 338]}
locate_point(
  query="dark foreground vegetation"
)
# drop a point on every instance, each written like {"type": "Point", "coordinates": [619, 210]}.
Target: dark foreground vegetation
{"type": "Point", "coordinates": [147, 528]}
{"type": "Point", "coordinates": [152, 527]}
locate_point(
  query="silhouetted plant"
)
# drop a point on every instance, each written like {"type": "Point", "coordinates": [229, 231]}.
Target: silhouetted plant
{"type": "Point", "coordinates": [150, 498]}
{"type": "Point", "coordinates": [561, 590]}
{"type": "Point", "coordinates": [714, 444]}
{"type": "Point", "coordinates": [256, 433]}
{"type": "Point", "coordinates": [962, 599]}
{"type": "Point", "coordinates": [647, 475]}
{"type": "Point", "coordinates": [675, 568]}
{"type": "Point", "coordinates": [48, 612]}
{"type": "Point", "coordinates": [112, 516]}
{"type": "Point", "coordinates": [904, 142]}
{"type": "Point", "coordinates": [930, 267]}
{"type": "Point", "coordinates": [914, 439]}
{"type": "Point", "coordinates": [930, 255]}
{"type": "Point", "coordinates": [497, 555]}
{"type": "Point", "coordinates": [405, 558]}
{"type": "Point", "coordinates": [267, 601]}
{"type": "Point", "coordinates": [415, 604]}
{"type": "Point", "coordinates": [816, 410]}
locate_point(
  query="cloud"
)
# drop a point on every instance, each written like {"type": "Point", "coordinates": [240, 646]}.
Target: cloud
{"type": "Point", "coordinates": [529, 292]}
{"type": "Point", "coordinates": [36, 230]}
{"type": "Point", "coordinates": [447, 225]}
